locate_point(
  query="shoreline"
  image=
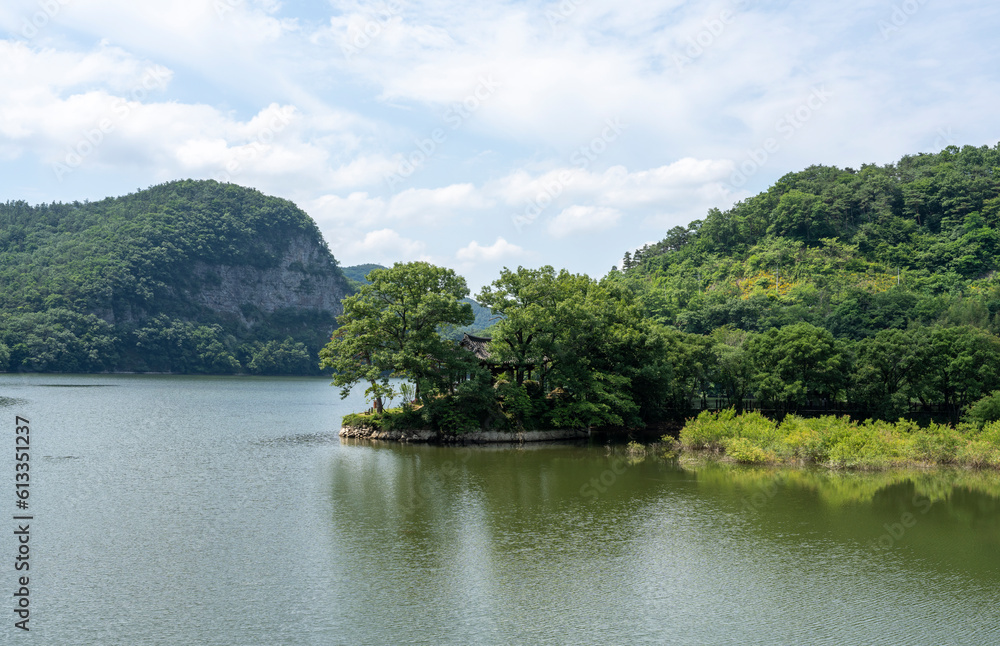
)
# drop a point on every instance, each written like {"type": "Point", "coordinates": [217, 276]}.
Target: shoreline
{"type": "Point", "coordinates": [475, 437]}
{"type": "Point", "coordinates": [713, 456]}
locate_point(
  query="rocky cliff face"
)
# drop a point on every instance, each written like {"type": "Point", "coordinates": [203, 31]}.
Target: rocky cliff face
{"type": "Point", "coordinates": [305, 278]}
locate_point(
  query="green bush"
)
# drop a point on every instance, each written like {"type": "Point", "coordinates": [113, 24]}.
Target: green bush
{"type": "Point", "coordinates": [745, 451]}
{"type": "Point", "coordinates": [984, 411]}
{"type": "Point", "coordinates": [839, 442]}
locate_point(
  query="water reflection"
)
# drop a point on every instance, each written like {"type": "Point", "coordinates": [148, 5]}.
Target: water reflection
{"type": "Point", "coordinates": [559, 544]}
{"type": "Point", "coordinates": [946, 519]}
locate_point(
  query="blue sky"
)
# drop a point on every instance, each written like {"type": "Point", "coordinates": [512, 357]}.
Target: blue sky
{"type": "Point", "coordinates": [478, 136]}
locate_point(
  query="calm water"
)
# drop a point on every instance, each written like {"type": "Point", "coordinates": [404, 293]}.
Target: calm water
{"type": "Point", "coordinates": [227, 511]}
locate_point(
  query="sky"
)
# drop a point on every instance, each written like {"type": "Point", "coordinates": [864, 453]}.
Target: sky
{"type": "Point", "coordinates": [482, 135]}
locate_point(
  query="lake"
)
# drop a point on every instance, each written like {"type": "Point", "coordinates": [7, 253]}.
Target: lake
{"type": "Point", "coordinates": [203, 510]}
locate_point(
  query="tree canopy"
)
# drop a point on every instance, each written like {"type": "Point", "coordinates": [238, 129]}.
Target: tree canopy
{"type": "Point", "coordinates": [390, 329]}
{"type": "Point", "coordinates": [114, 284]}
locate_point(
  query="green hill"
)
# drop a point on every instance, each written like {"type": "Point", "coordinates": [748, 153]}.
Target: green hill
{"type": "Point", "coordinates": [854, 251]}
{"type": "Point", "coordinates": [188, 276]}
{"type": "Point", "coordinates": [871, 291]}
{"type": "Point", "coordinates": [357, 273]}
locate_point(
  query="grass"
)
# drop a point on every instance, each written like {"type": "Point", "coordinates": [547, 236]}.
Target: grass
{"type": "Point", "coordinates": [839, 442]}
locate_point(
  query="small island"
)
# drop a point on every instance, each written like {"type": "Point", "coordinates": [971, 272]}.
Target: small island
{"type": "Point", "coordinates": [842, 317]}
{"type": "Point", "coordinates": [551, 370]}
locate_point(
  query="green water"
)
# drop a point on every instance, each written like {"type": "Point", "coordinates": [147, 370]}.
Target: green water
{"type": "Point", "coordinates": [175, 510]}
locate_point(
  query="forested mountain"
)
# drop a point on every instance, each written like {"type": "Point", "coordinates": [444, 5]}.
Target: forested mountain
{"type": "Point", "coordinates": [855, 251]}
{"type": "Point", "coordinates": [357, 273]}
{"type": "Point", "coordinates": [874, 287]}
{"type": "Point", "coordinates": [188, 276]}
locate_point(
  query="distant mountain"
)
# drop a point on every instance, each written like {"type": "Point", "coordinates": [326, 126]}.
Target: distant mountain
{"type": "Point", "coordinates": [357, 273]}
{"type": "Point", "coordinates": [188, 276]}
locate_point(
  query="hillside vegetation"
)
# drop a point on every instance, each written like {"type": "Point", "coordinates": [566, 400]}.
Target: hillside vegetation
{"type": "Point", "coordinates": [148, 282]}
{"type": "Point", "coordinates": [872, 289]}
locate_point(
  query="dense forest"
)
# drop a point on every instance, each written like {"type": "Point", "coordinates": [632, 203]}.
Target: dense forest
{"type": "Point", "coordinates": [875, 289]}
{"type": "Point", "coordinates": [871, 292]}
{"type": "Point", "coordinates": [141, 282]}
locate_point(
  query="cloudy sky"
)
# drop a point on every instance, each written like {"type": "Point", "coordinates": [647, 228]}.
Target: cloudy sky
{"type": "Point", "coordinates": [479, 135]}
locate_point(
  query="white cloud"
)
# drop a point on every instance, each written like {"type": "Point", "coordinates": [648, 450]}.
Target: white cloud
{"type": "Point", "coordinates": [474, 252]}
{"type": "Point", "coordinates": [385, 245]}
{"type": "Point", "coordinates": [694, 100]}
{"type": "Point", "coordinates": [434, 206]}
{"type": "Point", "coordinates": [583, 219]}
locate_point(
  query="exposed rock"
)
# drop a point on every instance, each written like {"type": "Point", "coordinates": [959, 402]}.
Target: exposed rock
{"type": "Point", "coordinates": [305, 278]}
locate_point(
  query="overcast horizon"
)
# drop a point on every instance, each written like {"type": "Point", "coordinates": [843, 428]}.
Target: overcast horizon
{"type": "Point", "coordinates": [482, 136]}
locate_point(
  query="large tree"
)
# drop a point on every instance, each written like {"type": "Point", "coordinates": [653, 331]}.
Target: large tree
{"type": "Point", "coordinates": [795, 363]}
{"type": "Point", "coordinates": [887, 367]}
{"type": "Point", "coordinates": [583, 344]}
{"type": "Point", "coordinates": [960, 365]}
{"type": "Point", "coordinates": [390, 329]}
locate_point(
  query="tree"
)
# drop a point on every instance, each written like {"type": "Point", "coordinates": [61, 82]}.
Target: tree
{"type": "Point", "coordinates": [983, 411]}
{"type": "Point", "coordinates": [390, 329]}
{"type": "Point", "coordinates": [885, 371]}
{"type": "Point", "coordinates": [584, 345]}
{"type": "Point", "coordinates": [795, 363]}
{"type": "Point", "coordinates": [274, 358]}
{"type": "Point", "coordinates": [525, 338]}
{"type": "Point", "coordinates": [731, 370]}
{"type": "Point", "coordinates": [960, 365]}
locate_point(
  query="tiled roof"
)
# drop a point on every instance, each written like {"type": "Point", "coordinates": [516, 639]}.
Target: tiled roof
{"type": "Point", "coordinates": [477, 345]}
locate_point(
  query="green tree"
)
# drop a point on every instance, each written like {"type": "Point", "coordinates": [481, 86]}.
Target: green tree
{"type": "Point", "coordinates": [984, 411]}
{"type": "Point", "coordinates": [731, 371]}
{"type": "Point", "coordinates": [584, 345]}
{"type": "Point", "coordinates": [273, 358]}
{"type": "Point", "coordinates": [528, 300]}
{"type": "Point", "coordinates": [885, 371]}
{"type": "Point", "coordinates": [172, 345]}
{"type": "Point", "coordinates": [390, 329]}
{"type": "Point", "coordinates": [796, 363]}
{"type": "Point", "coordinates": [960, 365]}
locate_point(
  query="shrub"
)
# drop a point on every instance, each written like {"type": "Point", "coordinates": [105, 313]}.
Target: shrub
{"type": "Point", "coordinates": [708, 430]}
{"type": "Point", "coordinates": [837, 441]}
{"type": "Point", "coordinates": [938, 443]}
{"type": "Point", "coordinates": [744, 451]}
{"type": "Point", "coordinates": [984, 411]}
